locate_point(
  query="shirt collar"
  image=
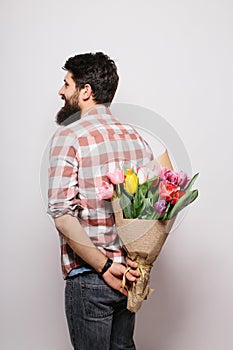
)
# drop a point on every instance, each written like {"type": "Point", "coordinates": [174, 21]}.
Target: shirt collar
{"type": "Point", "coordinates": [97, 110]}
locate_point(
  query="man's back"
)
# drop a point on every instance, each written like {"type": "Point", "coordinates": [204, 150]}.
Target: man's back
{"type": "Point", "coordinates": [93, 146]}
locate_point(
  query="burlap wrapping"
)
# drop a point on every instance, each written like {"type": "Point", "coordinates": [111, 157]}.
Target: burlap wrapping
{"type": "Point", "coordinates": [142, 240]}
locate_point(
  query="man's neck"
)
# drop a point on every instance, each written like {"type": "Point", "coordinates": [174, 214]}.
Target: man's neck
{"type": "Point", "coordinates": [89, 107]}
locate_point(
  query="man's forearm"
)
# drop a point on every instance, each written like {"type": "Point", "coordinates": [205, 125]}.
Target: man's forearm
{"type": "Point", "coordinates": [79, 241]}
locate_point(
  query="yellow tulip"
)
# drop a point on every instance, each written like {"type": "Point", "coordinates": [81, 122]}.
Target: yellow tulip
{"type": "Point", "coordinates": [131, 182]}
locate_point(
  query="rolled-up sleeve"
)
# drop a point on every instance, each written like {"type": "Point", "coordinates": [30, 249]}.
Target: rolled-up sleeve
{"type": "Point", "coordinates": [63, 174]}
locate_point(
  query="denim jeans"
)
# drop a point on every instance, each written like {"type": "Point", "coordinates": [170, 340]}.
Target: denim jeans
{"type": "Point", "coordinates": [96, 315]}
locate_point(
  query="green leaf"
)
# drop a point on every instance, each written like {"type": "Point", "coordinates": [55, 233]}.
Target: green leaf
{"type": "Point", "coordinates": [144, 188]}
{"type": "Point", "coordinates": [154, 196]}
{"type": "Point", "coordinates": [150, 194]}
{"type": "Point", "coordinates": [151, 181]}
{"type": "Point", "coordinates": [140, 209]}
{"type": "Point", "coordinates": [185, 200]}
{"type": "Point", "coordinates": [137, 198]}
{"type": "Point", "coordinates": [126, 205]}
{"type": "Point", "coordinates": [188, 188]}
{"type": "Point", "coordinates": [147, 209]}
{"type": "Point", "coordinates": [126, 193]}
{"type": "Point", "coordinates": [125, 170]}
{"type": "Point", "coordinates": [166, 214]}
{"type": "Point", "coordinates": [154, 216]}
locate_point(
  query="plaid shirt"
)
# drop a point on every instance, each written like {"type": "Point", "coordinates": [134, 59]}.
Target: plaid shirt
{"type": "Point", "coordinates": [81, 154]}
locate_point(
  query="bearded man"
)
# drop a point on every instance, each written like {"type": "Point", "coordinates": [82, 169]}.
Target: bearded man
{"type": "Point", "coordinates": [90, 142]}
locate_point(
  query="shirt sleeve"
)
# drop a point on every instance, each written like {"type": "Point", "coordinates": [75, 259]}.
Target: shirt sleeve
{"type": "Point", "coordinates": [63, 174]}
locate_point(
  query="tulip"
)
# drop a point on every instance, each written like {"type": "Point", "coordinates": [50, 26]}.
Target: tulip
{"type": "Point", "coordinates": [117, 177]}
{"type": "Point", "coordinates": [169, 175]}
{"type": "Point", "coordinates": [168, 191]}
{"type": "Point", "coordinates": [183, 179]}
{"type": "Point", "coordinates": [160, 206]}
{"type": "Point", "coordinates": [175, 198]}
{"type": "Point", "coordinates": [142, 174]}
{"type": "Point", "coordinates": [105, 191]}
{"type": "Point", "coordinates": [131, 182]}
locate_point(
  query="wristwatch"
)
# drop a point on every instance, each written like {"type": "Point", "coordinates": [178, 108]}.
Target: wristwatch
{"type": "Point", "coordinates": [106, 267]}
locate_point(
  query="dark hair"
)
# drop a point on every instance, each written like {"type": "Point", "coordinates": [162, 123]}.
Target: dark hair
{"type": "Point", "coordinates": [96, 69]}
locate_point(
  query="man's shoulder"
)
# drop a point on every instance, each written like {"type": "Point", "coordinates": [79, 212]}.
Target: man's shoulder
{"type": "Point", "coordinates": [63, 131]}
{"type": "Point", "coordinates": [63, 136]}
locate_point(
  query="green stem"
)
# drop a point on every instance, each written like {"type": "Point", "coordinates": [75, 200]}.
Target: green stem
{"type": "Point", "coordinates": [118, 188]}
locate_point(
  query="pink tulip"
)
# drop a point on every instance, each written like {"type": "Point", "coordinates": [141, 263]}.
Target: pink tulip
{"type": "Point", "coordinates": [169, 175]}
{"type": "Point", "coordinates": [168, 191]}
{"type": "Point", "coordinates": [117, 177]}
{"type": "Point", "coordinates": [105, 191]}
{"type": "Point", "coordinates": [183, 179]}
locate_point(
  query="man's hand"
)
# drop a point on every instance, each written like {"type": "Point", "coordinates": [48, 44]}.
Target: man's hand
{"type": "Point", "coordinates": [114, 275]}
{"type": "Point", "coordinates": [133, 267]}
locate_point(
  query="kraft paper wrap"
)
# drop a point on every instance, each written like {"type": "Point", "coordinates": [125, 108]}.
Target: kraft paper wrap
{"type": "Point", "coordinates": [143, 241]}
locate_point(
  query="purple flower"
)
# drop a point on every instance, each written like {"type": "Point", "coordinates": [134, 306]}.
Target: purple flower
{"type": "Point", "coordinates": [160, 206]}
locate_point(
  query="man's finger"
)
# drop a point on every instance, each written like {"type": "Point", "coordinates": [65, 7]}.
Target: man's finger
{"type": "Point", "coordinates": [130, 275]}
{"type": "Point", "coordinates": [123, 291]}
{"type": "Point", "coordinates": [134, 273]}
{"type": "Point", "coordinates": [131, 263]}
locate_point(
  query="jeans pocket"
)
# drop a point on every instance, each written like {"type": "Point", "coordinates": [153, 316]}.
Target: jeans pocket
{"type": "Point", "coordinates": [97, 300]}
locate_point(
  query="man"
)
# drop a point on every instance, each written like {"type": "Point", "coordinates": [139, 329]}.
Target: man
{"type": "Point", "coordinates": [89, 143]}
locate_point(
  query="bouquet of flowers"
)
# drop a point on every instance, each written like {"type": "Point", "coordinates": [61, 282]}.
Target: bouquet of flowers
{"type": "Point", "coordinates": [146, 201]}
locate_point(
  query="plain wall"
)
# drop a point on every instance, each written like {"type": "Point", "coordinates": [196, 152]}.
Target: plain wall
{"type": "Point", "coordinates": [174, 58]}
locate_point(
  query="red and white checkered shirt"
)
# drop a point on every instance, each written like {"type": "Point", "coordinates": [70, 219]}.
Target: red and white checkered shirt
{"type": "Point", "coordinates": [81, 154]}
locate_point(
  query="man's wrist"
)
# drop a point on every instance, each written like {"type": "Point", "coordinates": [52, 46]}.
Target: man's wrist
{"type": "Point", "coordinates": [106, 266]}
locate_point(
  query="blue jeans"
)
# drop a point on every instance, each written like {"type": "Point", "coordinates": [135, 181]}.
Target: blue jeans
{"type": "Point", "coordinates": [96, 315]}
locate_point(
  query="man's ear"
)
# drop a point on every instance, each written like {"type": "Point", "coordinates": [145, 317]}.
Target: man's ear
{"type": "Point", "coordinates": [86, 92]}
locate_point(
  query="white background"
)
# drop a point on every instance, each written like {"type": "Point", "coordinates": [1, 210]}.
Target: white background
{"type": "Point", "coordinates": [175, 58]}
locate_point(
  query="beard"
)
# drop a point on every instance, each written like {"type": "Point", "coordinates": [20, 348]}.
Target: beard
{"type": "Point", "coordinates": [71, 110]}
